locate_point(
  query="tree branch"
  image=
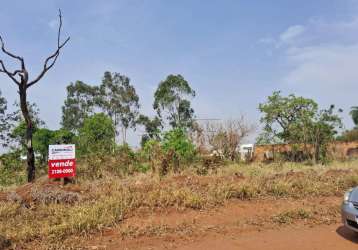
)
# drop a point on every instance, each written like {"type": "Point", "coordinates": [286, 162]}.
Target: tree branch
{"type": "Point", "coordinates": [11, 54]}
{"type": "Point", "coordinates": [51, 60]}
{"type": "Point", "coordinates": [11, 75]}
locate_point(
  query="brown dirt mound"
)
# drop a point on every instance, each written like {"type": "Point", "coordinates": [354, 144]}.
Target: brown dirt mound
{"type": "Point", "coordinates": [43, 191]}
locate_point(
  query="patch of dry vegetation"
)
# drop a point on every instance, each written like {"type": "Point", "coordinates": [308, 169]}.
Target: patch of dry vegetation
{"type": "Point", "coordinates": [106, 202]}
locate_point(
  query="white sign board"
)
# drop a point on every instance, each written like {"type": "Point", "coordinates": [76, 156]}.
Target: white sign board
{"type": "Point", "coordinates": [63, 152]}
{"type": "Point", "coordinates": [61, 161]}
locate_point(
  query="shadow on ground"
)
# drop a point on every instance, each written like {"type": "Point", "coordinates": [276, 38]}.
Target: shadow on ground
{"type": "Point", "coordinates": [347, 234]}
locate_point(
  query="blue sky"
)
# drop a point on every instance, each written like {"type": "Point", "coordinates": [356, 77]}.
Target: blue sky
{"type": "Point", "coordinates": [234, 53]}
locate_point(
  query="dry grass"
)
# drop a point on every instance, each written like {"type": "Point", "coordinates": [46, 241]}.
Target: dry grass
{"type": "Point", "coordinates": [107, 201]}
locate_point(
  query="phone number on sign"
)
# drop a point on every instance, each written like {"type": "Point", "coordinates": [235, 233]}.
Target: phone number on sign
{"type": "Point", "coordinates": [62, 171]}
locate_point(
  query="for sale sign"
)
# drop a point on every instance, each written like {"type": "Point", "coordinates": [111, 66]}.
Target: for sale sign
{"type": "Point", "coordinates": [61, 161]}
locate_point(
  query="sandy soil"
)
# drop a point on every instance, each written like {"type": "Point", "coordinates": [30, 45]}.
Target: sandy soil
{"type": "Point", "coordinates": [238, 225]}
{"type": "Point", "coordinates": [316, 238]}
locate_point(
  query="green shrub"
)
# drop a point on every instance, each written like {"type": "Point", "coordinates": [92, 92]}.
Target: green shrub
{"type": "Point", "coordinates": [11, 169]}
{"type": "Point", "coordinates": [96, 135]}
{"type": "Point", "coordinates": [153, 153]}
{"type": "Point", "coordinates": [177, 141]}
{"type": "Point", "coordinates": [142, 167]}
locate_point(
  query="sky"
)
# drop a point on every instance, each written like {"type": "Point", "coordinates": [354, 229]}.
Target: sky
{"type": "Point", "coordinates": [234, 53]}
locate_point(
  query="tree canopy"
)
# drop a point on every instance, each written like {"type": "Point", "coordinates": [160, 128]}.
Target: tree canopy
{"type": "Point", "coordinates": [152, 127]}
{"type": "Point", "coordinates": [280, 113]}
{"type": "Point", "coordinates": [171, 97]}
{"type": "Point", "coordinates": [97, 134]}
{"type": "Point", "coordinates": [78, 105]}
{"type": "Point", "coordinates": [354, 114]}
{"type": "Point", "coordinates": [119, 100]}
{"type": "Point", "coordinates": [298, 120]}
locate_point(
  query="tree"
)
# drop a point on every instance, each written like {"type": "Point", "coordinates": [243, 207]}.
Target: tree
{"type": "Point", "coordinates": [119, 100]}
{"type": "Point", "coordinates": [225, 137]}
{"type": "Point", "coordinates": [152, 128]}
{"type": "Point", "coordinates": [16, 136]}
{"type": "Point", "coordinates": [78, 105]}
{"type": "Point", "coordinates": [63, 136]}
{"type": "Point", "coordinates": [354, 114]}
{"type": "Point", "coordinates": [322, 131]}
{"type": "Point", "coordinates": [23, 82]}
{"type": "Point", "coordinates": [297, 120]}
{"type": "Point", "coordinates": [96, 134]}
{"type": "Point", "coordinates": [170, 97]}
{"type": "Point", "coordinates": [43, 137]}
{"type": "Point", "coordinates": [3, 121]}
{"type": "Point", "coordinates": [280, 112]}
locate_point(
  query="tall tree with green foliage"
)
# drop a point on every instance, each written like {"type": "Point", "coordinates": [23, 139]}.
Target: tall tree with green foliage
{"type": "Point", "coordinates": [281, 112]}
{"type": "Point", "coordinates": [354, 114]}
{"type": "Point", "coordinates": [172, 98]}
{"type": "Point", "coordinates": [78, 105]}
{"type": "Point", "coordinates": [119, 100]}
{"type": "Point", "coordinates": [297, 120]}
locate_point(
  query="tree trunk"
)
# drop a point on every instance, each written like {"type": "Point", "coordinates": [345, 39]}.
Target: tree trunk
{"type": "Point", "coordinates": [124, 135]}
{"type": "Point", "coordinates": [317, 146]}
{"type": "Point", "coordinates": [28, 138]}
{"type": "Point", "coordinates": [317, 153]}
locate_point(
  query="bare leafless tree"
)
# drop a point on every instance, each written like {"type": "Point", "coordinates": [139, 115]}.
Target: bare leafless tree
{"type": "Point", "coordinates": [225, 136]}
{"type": "Point", "coordinates": [21, 78]}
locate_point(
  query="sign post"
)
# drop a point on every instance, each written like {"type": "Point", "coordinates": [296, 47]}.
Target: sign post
{"type": "Point", "coordinates": [61, 161]}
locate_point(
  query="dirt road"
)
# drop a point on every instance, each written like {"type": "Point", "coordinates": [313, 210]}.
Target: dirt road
{"type": "Point", "coordinates": [333, 237]}
{"type": "Point", "coordinates": [265, 224]}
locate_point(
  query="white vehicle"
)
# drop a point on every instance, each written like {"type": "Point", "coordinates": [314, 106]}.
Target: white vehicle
{"type": "Point", "coordinates": [246, 151]}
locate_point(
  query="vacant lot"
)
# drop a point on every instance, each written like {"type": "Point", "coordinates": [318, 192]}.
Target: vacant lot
{"type": "Point", "coordinates": [230, 206]}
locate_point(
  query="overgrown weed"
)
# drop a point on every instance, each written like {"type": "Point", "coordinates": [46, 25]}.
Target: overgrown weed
{"type": "Point", "coordinates": [108, 200]}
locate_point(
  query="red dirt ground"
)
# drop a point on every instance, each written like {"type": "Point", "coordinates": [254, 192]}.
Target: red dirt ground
{"type": "Point", "coordinates": [238, 225]}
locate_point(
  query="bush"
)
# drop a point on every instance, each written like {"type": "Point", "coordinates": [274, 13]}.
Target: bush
{"type": "Point", "coordinates": [96, 135]}
{"type": "Point", "coordinates": [178, 149]}
{"type": "Point", "coordinates": [175, 149]}
{"type": "Point", "coordinates": [152, 152]}
{"type": "Point", "coordinates": [11, 160]}
{"type": "Point", "coordinates": [11, 169]}
{"type": "Point", "coordinates": [177, 141]}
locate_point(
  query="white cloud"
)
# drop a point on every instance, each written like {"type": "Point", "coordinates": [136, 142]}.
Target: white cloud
{"type": "Point", "coordinates": [288, 37]}
{"type": "Point", "coordinates": [267, 40]}
{"type": "Point", "coordinates": [324, 66]}
{"type": "Point", "coordinates": [53, 24]}
{"type": "Point", "coordinates": [292, 32]}
{"type": "Point", "coordinates": [323, 63]}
